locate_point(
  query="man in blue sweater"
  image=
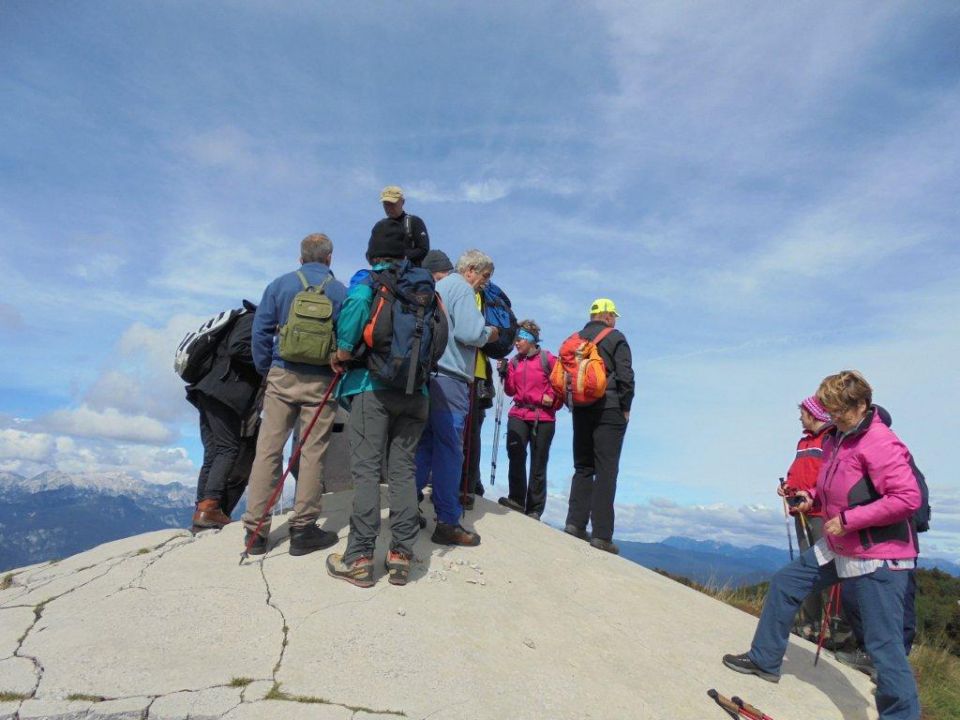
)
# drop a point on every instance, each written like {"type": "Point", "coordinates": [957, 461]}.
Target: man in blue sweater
{"type": "Point", "coordinates": [440, 454]}
{"type": "Point", "coordinates": [293, 392]}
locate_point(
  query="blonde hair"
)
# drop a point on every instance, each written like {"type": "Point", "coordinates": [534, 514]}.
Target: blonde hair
{"type": "Point", "coordinates": [844, 391]}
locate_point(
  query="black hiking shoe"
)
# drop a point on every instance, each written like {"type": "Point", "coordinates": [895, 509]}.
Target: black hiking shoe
{"type": "Point", "coordinates": [605, 545]}
{"type": "Point", "coordinates": [743, 664]}
{"type": "Point", "coordinates": [508, 502]}
{"type": "Point", "coordinates": [259, 546]}
{"type": "Point", "coordinates": [447, 534]}
{"type": "Point", "coordinates": [576, 532]}
{"type": "Point", "coordinates": [307, 539]}
{"type": "Point", "coordinates": [858, 659]}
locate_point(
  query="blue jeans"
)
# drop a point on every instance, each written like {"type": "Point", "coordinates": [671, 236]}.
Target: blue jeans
{"type": "Point", "coordinates": [440, 453]}
{"type": "Point", "coordinates": [880, 597]}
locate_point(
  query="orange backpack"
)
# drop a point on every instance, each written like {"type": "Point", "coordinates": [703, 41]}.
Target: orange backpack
{"type": "Point", "coordinates": [580, 376]}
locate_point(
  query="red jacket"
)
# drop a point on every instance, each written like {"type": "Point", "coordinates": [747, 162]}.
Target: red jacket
{"type": "Point", "coordinates": [803, 472]}
{"type": "Point", "coordinates": [527, 383]}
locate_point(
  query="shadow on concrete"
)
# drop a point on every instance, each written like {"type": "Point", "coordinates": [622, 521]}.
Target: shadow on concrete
{"type": "Point", "coordinates": [826, 677]}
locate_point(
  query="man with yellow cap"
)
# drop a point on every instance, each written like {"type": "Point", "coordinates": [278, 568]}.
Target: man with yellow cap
{"type": "Point", "coordinates": [413, 228]}
{"type": "Point", "coordinates": [598, 431]}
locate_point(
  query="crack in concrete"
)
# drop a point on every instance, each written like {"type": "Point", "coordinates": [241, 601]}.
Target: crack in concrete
{"type": "Point", "coordinates": [283, 619]}
{"type": "Point", "coordinates": [137, 582]}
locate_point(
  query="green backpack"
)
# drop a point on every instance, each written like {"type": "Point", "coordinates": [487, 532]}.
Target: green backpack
{"type": "Point", "coordinates": [307, 336]}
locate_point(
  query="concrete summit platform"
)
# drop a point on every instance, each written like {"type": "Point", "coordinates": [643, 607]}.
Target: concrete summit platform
{"type": "Point", "coordinates": [531, 624]}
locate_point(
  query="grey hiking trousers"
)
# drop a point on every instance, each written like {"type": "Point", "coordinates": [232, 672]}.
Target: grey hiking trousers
{"type": "Point", "coordinates": [384, 422]}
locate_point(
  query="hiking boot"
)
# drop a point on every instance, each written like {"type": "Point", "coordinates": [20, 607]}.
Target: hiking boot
{"type": "Point", "coordinates": [857, 659]}
{"type": "Point", "coordinates": [359, 572]}
{"type": "Point", "coordinates": [467, 501]}
{"type": "Point", "coordinates": [398, 567]}
{"type": "Point", "coordinates": [447, 534]}
{"type": "Point", "coordinates": [511, 503]}
{"type": "Point", "coordinates": [209, 515]}
{"type": "Point", "coordinates": [534, 515]}
{"type": "Point", "coordinates": [576, 532]}
{"type": "Point", "coordinates": [307, 539]}
{"type": "Point", "coordinates": [743, 664]}
{"type": "Point", "coordinates": [604, 545]}
{"type": "Point", "coordinates": [258, 547]}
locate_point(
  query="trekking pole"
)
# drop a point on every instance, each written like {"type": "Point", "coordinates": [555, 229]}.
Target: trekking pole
{"type": "Point", "coordinates": [496, 434]}
{"type": "Point", "coordinates": [293, 458]}
{"type": "Point", "coordinates": [806, 529]}
{"type": "Point", "coordinates": [736, 707]}
{"type": "Point", "coordinates": [786, 518]}
{"type": "Point", "coordinates": [832, 604]}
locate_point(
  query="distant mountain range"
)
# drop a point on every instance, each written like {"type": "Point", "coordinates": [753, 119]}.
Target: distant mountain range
{"type": "Point", "coordinates": [55, 515]}
{"type": "Point", "coordinates": [722, 565]}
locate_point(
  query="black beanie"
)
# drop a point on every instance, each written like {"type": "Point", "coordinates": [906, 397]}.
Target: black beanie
{"type": "Point", "coordinates": [386, 240]}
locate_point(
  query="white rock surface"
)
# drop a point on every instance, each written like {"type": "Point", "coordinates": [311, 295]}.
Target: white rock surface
{"type": "Point", "coordinates": [531, 624]}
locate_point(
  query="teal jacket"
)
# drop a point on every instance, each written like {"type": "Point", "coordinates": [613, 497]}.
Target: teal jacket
{"type": "Point", "coordinates": [354, 316]}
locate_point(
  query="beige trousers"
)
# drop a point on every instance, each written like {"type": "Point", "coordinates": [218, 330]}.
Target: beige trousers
{"type": "Point", "coordinates": [290, 396]}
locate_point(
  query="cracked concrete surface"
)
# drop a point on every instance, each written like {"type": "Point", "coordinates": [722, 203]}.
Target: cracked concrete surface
{"type": "Point", "coordinates": [531, 624]}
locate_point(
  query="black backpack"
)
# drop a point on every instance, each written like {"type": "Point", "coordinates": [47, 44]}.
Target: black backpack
{"type": "Point", "coordinates": [196, 352]}
{"type": "Point", "coordinates": [408, 330]}
{"type": "Point", "coordinates": [921, 518]}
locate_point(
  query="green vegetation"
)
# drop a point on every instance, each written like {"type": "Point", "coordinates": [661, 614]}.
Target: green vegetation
{"type": "Point", "coordinates": [143, 551]}
{"type": "Point", "coordinates": [277, 694]}
{"type": "Point", "coordinates": [7, 581]}
{"type": "Point", "coordinates": [241, 682]}
{"type": "Point", "coordinates": [936, 652]}
{"type": "Point", "coordinates": [85, 698]}
{"type": "Point", "coordinates": [12, 696]}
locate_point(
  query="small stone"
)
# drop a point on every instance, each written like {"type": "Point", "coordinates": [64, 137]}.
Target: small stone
{"type": "Point", "coordinates": [461, 561]}
{"type": "Point", "coordinates": [471, 581]}
{"type": "Point", "coordinates": [401, 612]}
{"type": "Point", "coordinates": [530, 644]}
{"type": "Point", "coordinates": [482, 581]}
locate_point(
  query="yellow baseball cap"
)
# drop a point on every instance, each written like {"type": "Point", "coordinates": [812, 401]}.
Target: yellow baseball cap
{"type": "Point", "coordinates": [603, 305]}
{"type": "Point", "coordinates": [391, 194]}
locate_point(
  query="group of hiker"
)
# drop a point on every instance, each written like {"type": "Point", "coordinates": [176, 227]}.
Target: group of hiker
{"type": "Point", "coordinates": [858, 500]}
{"type": "Point", "coordinates": [409, 347]}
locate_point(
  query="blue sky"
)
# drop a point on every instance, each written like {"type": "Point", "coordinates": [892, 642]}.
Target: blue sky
{"type": "Point", "coordinates": [768, 193]}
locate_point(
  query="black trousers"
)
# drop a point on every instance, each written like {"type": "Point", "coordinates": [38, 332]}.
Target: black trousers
{"type": "Point", "coordinates": [597, 442]}
{"type": "Point", "coordinates": [220, 433]}
{"type": "Point", "coordinates": [520, 433]}
{"type": "Point", "coordinates": [471, 442]}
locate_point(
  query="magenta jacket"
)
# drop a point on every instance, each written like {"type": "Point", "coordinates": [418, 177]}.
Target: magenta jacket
{"type": "Point", "coordinates": [526, 383]}
{"type": "Point", "coordinates": [868, 480]}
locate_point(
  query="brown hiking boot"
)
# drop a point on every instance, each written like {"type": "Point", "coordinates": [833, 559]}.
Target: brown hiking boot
{"type": "Point", "coordinates": [447, 534]}
{"type": "Point", "coordinates": [209, 515]}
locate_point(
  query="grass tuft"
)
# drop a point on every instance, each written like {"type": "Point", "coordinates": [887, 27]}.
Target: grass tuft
{"type": "Point", "coordinates": [85, 698]}
{"type": "Point", "coordinates": [143, 551]}
{"type": "Point", "coordinates": [7, 581]}
{"type": "Point", "coordinates": [12, 696]}
{"type": "Point", "coordinates": [240, 682]}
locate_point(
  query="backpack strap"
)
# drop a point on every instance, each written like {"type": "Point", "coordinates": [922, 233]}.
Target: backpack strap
{"type": "Point", "coordinates": [408, 230]}
{"type": "Point", "coordinates": [306, 285]}
{"type": "Point", "coordinates": [598, 338]}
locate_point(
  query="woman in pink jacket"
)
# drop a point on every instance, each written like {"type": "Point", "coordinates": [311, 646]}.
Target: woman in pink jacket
{"type": "Point", "coordinates": [531, 421]}
{"type": "Point", "coordinates": [869, 493]}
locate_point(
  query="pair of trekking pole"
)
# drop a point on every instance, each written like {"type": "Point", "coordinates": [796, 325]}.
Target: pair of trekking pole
{"type": "Point", "coordinates": [737, 708]}
{"type": "Point", "coordinates": [294, 456]}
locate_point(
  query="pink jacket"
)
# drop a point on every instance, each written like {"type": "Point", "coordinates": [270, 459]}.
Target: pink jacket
{"type": "Point", "coordinates": [527, 384]}
{"type": "Point", "coordinates": [867, 479]}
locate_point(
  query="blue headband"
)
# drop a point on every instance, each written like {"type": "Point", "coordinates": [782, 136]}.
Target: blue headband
{"type": "Point", "coordinates": [526, 335]}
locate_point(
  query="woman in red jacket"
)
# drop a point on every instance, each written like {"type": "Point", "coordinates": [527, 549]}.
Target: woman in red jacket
{"type": "Point", "coordinates": [531, 421]}
{"type": "Point", "coordinates": [802, 475]}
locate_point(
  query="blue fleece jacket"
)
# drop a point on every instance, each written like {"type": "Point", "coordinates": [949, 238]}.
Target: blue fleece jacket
{"type": "Point", "coordinates": [274, 308]}
{"type": "Point", "coordinates": [468, 330]}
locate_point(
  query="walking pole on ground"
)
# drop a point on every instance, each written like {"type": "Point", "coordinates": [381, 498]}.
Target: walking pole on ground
{"type": "Point", "coordinates": [293, 459]}
{"type": "Point", "coordinates": [786, 517]}
{"type": "Point", "coordinates": [832, 604]}
{"type": "Point", "coordinates": [496, 434]}
{"type": "Point", "coordinates": [737, 708]}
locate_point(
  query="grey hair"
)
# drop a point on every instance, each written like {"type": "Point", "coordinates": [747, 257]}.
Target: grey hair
{"type": "Point", "coordinates": [316, 248]}
{"type": "Point", "coordinates": [479, 261]}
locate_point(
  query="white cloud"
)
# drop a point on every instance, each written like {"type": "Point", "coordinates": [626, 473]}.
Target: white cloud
{"type": "Point", "coordinates": [109, 423]}
{"type": "Point", "coordinates": [26, 446]}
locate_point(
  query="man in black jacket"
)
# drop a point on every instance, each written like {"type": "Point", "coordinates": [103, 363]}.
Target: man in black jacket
{"type": "Point", "coordinates": [598, 431]}
{"type": "Point", "coordinates": [225, 397]}
{"type": "Point", "coordinates": [414, 231]}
